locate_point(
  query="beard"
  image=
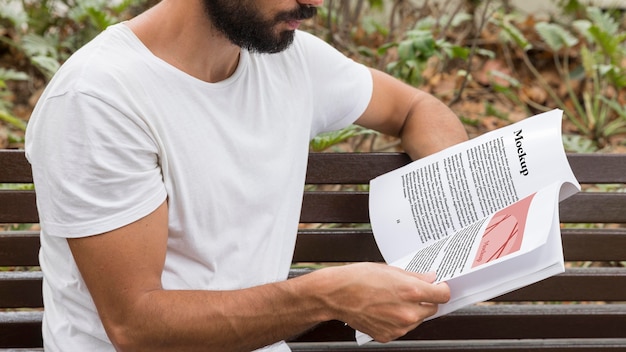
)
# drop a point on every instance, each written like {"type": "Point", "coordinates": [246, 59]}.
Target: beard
{"type": "Point", "coordinates": [241, 22]}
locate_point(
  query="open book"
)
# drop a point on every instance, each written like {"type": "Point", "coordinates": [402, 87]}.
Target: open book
{"type": "Point", "coordinates": [482, 214]}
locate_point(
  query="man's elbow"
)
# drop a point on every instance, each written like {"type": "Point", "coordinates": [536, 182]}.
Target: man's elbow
{"type": "Point", "coordinates": [123, 337]}
{"type": "Point", "coordinates": [129, 333]}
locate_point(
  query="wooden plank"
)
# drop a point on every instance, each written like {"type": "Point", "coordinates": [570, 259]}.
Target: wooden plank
{"type": "Point", "coordinates": [351, 168]}
{"type": "Point", "coordinates": [19, 248]}
{"type": "Point", "coordinates": [598, 168]}
{"type": "Point", "coordinates": [14, 168]}
{"type": "Point", "coordinates": [594, 244]}
{"type": "Point", "coordinates": [335, 207]}
{"type": "Point", "coordinates": [351, 245]}
{"type": "Point", "coordinates": [18, 207]}
{"type": "Point", "coordinates": [21, 329]}
{"type": "Point", "coordinates": [603, 323]}
{"type": "Point", "coordinates": [336, 245]}
{"type": "Point", "coordinates": [355, 168]}
{"type": "Point", "coordinates": [594, 207]}
{"type": "Point", "coordinates": [20, 289]}
{"type": "Point", "coordinates": [502, 322]}
{"type": "Point", "coordinates": [528, 321]}
{"type": "Point", "coordinates": [492, 345]}
{"type": "Point", "coordinates": [359, 168]}
{"type": "Point", "coordinates": [358, 244]}
{"type": "Point", "coordinates": [588, 284]}
{"type": "Point", "coordinates": [576, 284]}
{"type": "Point", "coordinates": [352, 207]}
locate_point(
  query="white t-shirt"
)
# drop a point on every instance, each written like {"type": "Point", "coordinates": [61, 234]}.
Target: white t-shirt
{"type": "Point", "coordinates": [118, 131]}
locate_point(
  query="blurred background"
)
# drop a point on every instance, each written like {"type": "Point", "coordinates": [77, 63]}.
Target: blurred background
{"type": "Point", "coordinates": [493, 62]}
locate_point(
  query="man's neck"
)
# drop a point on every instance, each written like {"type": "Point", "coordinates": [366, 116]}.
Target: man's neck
{"type": "Point", "coordinates": [180, 33]}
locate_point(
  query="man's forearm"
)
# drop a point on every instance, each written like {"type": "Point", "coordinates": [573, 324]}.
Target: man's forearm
{"type": "Point", "coordinates": [430, 127]}
{"type": "Point", "coordinates": [382, 301]}
{"type": "Point", "coordinates": [240, 320]}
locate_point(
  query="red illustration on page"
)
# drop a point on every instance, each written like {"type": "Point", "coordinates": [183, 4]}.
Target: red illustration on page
{"type": "Point", "coordinates": [504, 234]}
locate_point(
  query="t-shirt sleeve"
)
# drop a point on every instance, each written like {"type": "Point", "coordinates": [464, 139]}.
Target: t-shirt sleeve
{"type": "Point", "coordinates": [341, 87]}
{"type": "Point", "coordinates": [95, 169]}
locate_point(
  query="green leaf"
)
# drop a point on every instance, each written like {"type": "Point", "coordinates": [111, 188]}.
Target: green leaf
{"type": "Point", "coordinates": [12, 120]}
{"type": "Point", "coordinates": [36, 45]}
{"type": "Point", "coordinates": [582, 27]}
{"type": "Point", "coordinates": [47, 65]}
{"type": "Point", "coordinates": [456, 51]}
{"type": "Point", "coordinates": [486, 53]}
{"type": "Point", "coordinates": [14, 12]}
{"type": "Point", "coordinates": [100, 18]}
{"type": "Point", "coordinates": [385, 47]}
{"type": "Point", "coordinates": [588, 61]}
{"type": "Point", "coordinates": [325, 140]}
{"type": "Point", "coordinates": [513, 34]}
{"type": "Point", "coordinates": [579, 144]}
{"type": "Point", "coordinates": [615, 106]}
{"type": "Point", "coordinates": [605, 40]}
{"type": "Point", "coordinates": [405, 50]}
{"type": "Point", "coordinates": [460, 18]}
{"type": "Point", "coordinates": [508, 78]}
{"type": "Point", "coordinates": [614, 127]}
{"type": "Point", "coordinates": [423, 44]}
{"type": "Point", "coordinates": [555, 36]}
{"type": "Point", "coordinates": [425, 24]}
{"type": "Point", "coordinates": [12, 75]}
{"type": "Point", "coordinates": [603, 21]}
{"type": "Point", "coordinates": [376, 4]}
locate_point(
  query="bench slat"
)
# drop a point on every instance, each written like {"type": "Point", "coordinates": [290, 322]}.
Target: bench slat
{"type": "Point", "coordinates": [27, 283]}
{"type": "Point", "coordinates": [18, 207]}
{"type": "Point", "coordinates": [335, 207]}
{"type": "Point", "coordinates": [594, 207]}
{"type": "Point", "coordinates": [357, 168]}
{"type": "Point", "coordinates": [21, 329]}
{"type": "Point", "coordinates": [15, 167]}
{"type": "Point", "coordinates": [503, 321]}
{"type": "Point", "coordinates": [19, 248]}
{"type": "Point", "coordinates": [594, 244]}
{"type": "Point", "coordinates": [577, 284]}
{"type": "Point", "coordinates": [358, 244]}
{"type": "Point", "coordinates": [352, 207]}
{"type": "Point", "coordinates": [495, 345]}
{"type": "Point", "coordinates": [598, 168]}
{"type": "Point", "coordinates": [352, 245]}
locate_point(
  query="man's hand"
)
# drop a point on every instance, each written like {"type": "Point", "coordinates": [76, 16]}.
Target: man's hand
{"type": "Point", "coordinates": [382, 301]}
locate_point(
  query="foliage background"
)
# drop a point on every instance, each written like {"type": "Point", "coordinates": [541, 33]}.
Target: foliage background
{"type": "Point", "coordinates": [491, 63]}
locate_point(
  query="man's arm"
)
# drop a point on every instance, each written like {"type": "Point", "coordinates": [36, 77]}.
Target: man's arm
{"type": "Point", "coordinates": [425, 125]}
{"type": "Point", "coordinates": [122, 270]}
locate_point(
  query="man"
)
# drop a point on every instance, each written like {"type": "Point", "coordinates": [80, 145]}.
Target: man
{"type": "Point", "coordinates": [169, 156]}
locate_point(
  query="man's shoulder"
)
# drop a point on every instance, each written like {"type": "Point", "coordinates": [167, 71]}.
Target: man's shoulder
{"type": "Point", "coordinates": [104, 62]}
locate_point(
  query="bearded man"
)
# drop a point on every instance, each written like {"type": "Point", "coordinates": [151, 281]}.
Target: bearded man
{"type": "Point", "coordinates": [169, 157]}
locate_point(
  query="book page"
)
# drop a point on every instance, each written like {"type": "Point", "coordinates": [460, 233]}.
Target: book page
{"type": "Point", "coordinates": [484, 242]}
{"type": "Point", "coordinates": [437, 196]}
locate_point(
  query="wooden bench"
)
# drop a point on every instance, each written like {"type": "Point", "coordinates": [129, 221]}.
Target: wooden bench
{"type": "Point", "coordinates": [583, 309]}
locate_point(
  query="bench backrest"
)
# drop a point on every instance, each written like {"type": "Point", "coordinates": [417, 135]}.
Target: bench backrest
{"type": "Point", "coordinates": [334, 230]}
